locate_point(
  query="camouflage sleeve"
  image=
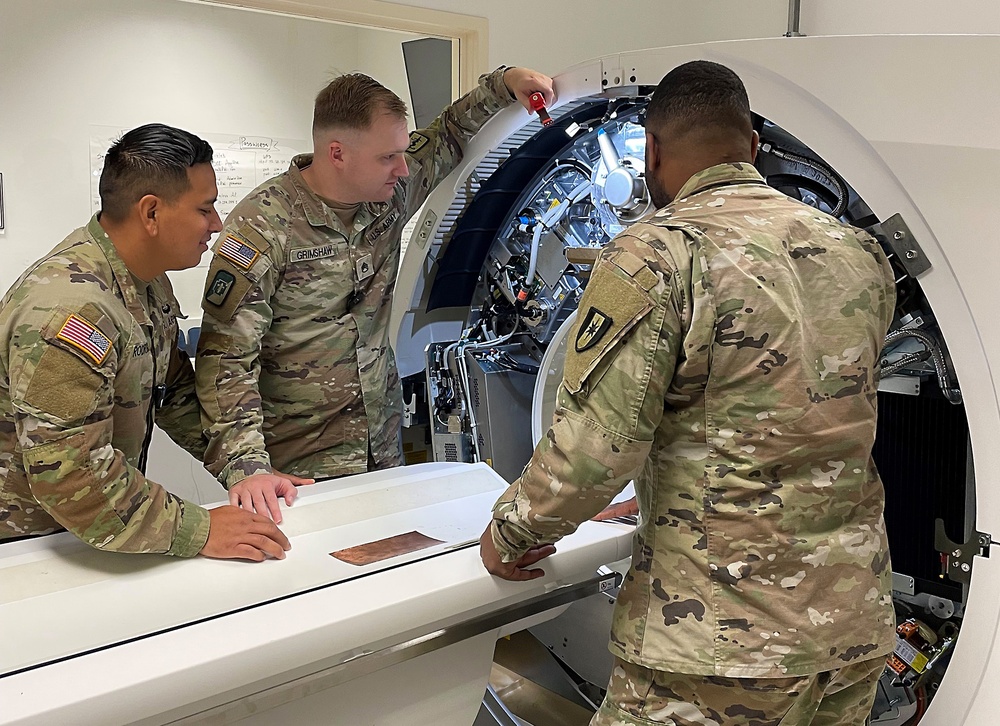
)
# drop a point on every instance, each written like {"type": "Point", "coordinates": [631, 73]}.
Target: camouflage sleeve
{"type": "Point", "coordinates": [63, 399]}
{"type": "Point", "coordinates": [237, 314]}
{"type": "Point", "coordinates": [179, 416]}
{"type": "Point", "coordinates": [621, 357]}
{"type": "Point", "coordinates": [436, 150]}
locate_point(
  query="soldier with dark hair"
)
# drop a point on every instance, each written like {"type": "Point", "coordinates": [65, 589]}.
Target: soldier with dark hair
{"type": "Point", "coordinates": [295, 370]}
{"type": "Point", "coordinates": [89, 360]}
{"type": "Point", "coordinates": [726, 359]}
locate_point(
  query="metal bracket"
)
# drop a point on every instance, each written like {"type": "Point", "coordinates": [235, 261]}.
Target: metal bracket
{"type": "Point", "coordinates": [427, 223]}
{"type": "Point", "coordinates": [894, 233]}
{"type": "Point", "coordinates": [956, 559]}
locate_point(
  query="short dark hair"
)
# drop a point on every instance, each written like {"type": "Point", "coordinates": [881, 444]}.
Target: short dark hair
{"type": "Point", "coordinates": [699, 95]}
{"type": "Point", "coordinates": [151, 159]}
{"type": "Point", "coordinates": [351, 101]}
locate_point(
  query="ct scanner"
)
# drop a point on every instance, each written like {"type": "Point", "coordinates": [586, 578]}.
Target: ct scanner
{"type": "Point", "coordinates": [895, 133]}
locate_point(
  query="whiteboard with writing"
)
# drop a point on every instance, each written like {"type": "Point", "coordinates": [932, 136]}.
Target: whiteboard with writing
{"type": "Point", "coordinates": [242, 163]}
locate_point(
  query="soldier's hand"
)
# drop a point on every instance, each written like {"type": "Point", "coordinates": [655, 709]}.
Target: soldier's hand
{"type": "Point", "coordinates": [522, 82]}
{"type": "Point", "coordinates": [238, 534]}
{"type": "Point", "coordinates": [260, 493]}
{"type": "Point", "coordinates": [517, 570]}
{"type": "Point", "coordinates": [296, 480]}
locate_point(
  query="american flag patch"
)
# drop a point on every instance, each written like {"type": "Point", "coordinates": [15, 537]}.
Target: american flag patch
{"type": "Point", "coordinates": [82, 335]}
{"type": "Point", "coordinates": [238, 252]}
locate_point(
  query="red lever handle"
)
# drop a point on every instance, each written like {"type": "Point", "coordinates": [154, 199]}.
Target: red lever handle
{"type": "Point", "coordinates": [537, 102]}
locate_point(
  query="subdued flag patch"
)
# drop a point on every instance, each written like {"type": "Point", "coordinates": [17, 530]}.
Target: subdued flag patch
{"type": "Point", "coordinates": [85, 336]}
{"type": "Point", "coordinates": [238, 252]}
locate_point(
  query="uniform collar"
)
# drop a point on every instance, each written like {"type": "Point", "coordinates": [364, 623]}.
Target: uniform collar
{"type": "Point", "coordinates": [122, 275]}
{"type": "Point", "coordinates": [312, 205]}
{"type": "Point", "coordinates": [317, 213]}
{"type": "Point", "coordinates": [736, 172]}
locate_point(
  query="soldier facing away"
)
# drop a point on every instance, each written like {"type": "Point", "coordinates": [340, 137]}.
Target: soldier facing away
{"type": "Point", "coordinates": [294, 367]}
{"type": "Point", "coordinates": [89, 360]}
{"type": "Point", "coordinates": [726, 359]}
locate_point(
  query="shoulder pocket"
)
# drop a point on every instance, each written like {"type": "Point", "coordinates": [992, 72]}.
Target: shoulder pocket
{"type": "Point", "coordinates": [245, 250]}
{"type": "Point", "coordinates": [239, 263]}
{"type": "Point", "coordinates": [77, 358]}
{"type": "Point", "coordinates": [611, 307]}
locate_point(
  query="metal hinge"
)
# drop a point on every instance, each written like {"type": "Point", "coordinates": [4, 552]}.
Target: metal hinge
{"type": "Point", "coordinates": [894, 233]}
{"type": "Point", "coordinates": [956, 559]}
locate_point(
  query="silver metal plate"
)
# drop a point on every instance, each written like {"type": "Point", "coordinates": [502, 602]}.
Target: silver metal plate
{"type": "Point", "coordinates": [902, 583]}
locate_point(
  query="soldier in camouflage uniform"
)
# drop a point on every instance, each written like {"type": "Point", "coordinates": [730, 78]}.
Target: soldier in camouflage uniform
{"type": "Point", "coordinates": [89, 359]}
{"type": "Point", "coordinates": [726, 359]}
{"type": "Point", "coordinates": [294, 367]}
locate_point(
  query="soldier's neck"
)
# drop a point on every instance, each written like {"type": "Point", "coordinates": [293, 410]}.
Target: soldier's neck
{"type": "Point", "coordinates": [326, 188]}
{"type": "Point", "coordinates": [132, 249]}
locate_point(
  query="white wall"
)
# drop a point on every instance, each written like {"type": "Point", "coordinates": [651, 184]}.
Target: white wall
{"type": "Point", "coordinates": [65, 65]}
{"type": "Point", "coordinates": [577, 30]}
{"type": "Point", "coordinates": [380, 53]}
{"type": "Point", "coordinates": [864, 17]}
{"type": "Point", "coordinates": [585, 29]}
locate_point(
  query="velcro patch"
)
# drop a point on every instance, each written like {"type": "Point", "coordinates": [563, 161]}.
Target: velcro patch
{"type": "Point", "coordinates": [364, 267]}
{"type": "Point", "coordinates": [238, 251]}
{"type": "Point", "coordinates": [84, 336]}
{"type": "Point", "coordinates": [305, 254]}
{"type": "Point", "coordinates": [64, 385]}
{"type": "Point", "coordinates": [417, 142]}
{"type": "Point", "coordinates": [225, 289]}
{"type": "Point", "coordinates": [599, 331]}
{"type": "Point", "coordinates": [592, 329]}
{"type": "Point", "coordinates": [382, 226]}
{"type": "Point", "coordinates": [218, 289]}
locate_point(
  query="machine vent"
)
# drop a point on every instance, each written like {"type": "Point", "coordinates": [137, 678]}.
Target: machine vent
{"type": "Point", "coordinates": [450, 452]}
{"type": "Point", "coordinates": [485, 169]}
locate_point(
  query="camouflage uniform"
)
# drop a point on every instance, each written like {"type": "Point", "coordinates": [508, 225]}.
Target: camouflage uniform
{"type": "Point", "coordinates": [726, 358]}
{"type": "Point", "coordinates": [294, 364]}
{"type": "Point", "coordinates": [639, 696]}
{"type": "Point", "coordinates": [85, 349]}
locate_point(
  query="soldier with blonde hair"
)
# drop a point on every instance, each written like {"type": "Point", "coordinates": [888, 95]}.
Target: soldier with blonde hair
{"type": "Point", "coordinates": [295, 369]}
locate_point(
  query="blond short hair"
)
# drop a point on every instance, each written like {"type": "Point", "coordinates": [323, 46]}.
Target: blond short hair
{"type": "Point", "coordinates": [352, 101]}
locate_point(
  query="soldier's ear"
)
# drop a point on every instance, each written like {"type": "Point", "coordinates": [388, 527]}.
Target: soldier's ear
{"type": "Point", "coordinates": [335, 152]}
{"type": "Point", "coordinates": [147, 210]}
{"type": "Point", "coordinates": [653, 159]}
{"type": "Point", "coordinates": [754, 145]}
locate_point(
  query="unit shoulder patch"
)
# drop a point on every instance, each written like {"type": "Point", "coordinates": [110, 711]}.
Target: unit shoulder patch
{"type": "Point", "coordinates": [592, 329]}
{"type": "Point", "coordinates": [218, 290]}
{"type": "Point", "coordinates": [238, 250]}
{"type": "Point", "coordinates": [84, 336]}
{"type": "Point", "coordinates": [417, 142]}
{"type": "Point", "coordinates": [614, 305]}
